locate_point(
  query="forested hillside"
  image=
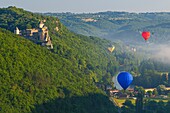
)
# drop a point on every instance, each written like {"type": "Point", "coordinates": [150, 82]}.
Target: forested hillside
{"type": "Point", "coordinates": [89, 54]}
{"type": "Point", "coordinates": [32, 79]}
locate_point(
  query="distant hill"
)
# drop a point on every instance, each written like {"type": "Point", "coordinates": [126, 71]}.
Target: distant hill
{"type": "Point", "coordinates": [123, 26]}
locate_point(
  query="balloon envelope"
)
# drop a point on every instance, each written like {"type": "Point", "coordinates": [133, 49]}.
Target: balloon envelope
{"type": "Point", "coordinates": [111, 49]}
{"type": "Point", "coordinates": [146, 35]}
{"type": "Point", "coordinates": [124, 79]}
{"type": "Point", "coordinates": [116, 83]}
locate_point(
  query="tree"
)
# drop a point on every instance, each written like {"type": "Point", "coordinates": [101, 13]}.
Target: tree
{"type": "Point", "coordinates": [168, 106]}
{"type": "Point", "coordinates": [28, 26]}
{"type": "Point", "coordinates": [168, 78]}
{"type": "Point", "coordinates": [151, 105]}
{"type": "Point", "coordinates": [139, 101]}
{"type": "Point", "coordinates": [129, 104]}
{"type": "Point", "coordinates": [161, 107]}
{"type": "Point", "coordinates": [161, 89]}
{"type": "Point", "coordinates": [168, 95]}
{"type": "Point", "coordinates": [164, 78]}
{"type": "Point", "coordinates": [149, 93]}
{"type": "Point", "coordinates": [155, 92]}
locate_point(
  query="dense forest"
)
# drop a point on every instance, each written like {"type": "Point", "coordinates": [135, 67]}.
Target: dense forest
{"type": "Point", "coordinates": [35, 79]}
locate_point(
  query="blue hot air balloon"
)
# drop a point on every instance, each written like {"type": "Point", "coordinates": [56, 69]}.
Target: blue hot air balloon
{"type": "Point", "coordinates": [124, 79]}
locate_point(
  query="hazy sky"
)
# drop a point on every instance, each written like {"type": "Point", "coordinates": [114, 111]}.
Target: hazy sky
{"type": "Point", "coordinates": [78, 6]}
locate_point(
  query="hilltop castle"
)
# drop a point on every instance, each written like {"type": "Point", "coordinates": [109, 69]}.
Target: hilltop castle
{"type": "Point", "coordinates": [40, 35]}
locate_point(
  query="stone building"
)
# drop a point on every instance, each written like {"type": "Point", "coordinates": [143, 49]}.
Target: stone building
{"type": "Point", "coordinates": [40, 34]}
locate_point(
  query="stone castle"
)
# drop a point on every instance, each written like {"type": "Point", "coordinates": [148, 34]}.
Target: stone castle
{"type": "Point", "coordinates": [40, 35]}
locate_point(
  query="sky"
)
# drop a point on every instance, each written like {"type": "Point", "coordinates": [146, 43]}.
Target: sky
{"type": "Point", "coordinates": [89, 6]}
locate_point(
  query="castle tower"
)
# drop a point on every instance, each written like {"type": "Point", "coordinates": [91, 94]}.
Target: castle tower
{"type": "Point", "coordinates": [41, 25]}
{"type": "Point", "coordinates": [16, 31]}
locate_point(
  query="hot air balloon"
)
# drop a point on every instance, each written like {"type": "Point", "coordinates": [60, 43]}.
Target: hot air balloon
{"type": "Point", "coordinates": [146, 35]}
{"type": "Point", "coordinates": [124, 79]}
{"type": "Point", "coordinates": [111, 49]}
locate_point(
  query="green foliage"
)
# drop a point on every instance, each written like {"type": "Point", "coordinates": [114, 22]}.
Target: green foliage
{"type": "Point", "coordinates": [127, 107]}
{"type": "Point", "coordinates": [149, 93]}
{"type": "Point", "coordinates": [139, 101]}
{"type": "Point", "coordinates": [129, 104]}
{"type": "Point", "coordinates": [13, 17]}
{"type": "Point", "coordinates": [151, 73]}
{"type": "Point", "coordinates": [161, 89]}
{"type": "Point", "coordinates": [155, 92]}
{"type": "Point", "coordinates": [81, 104]}
{"type": "Point", "coordinates": [152, 106]}
{"type": "Point", "coordinates": [31, 75]}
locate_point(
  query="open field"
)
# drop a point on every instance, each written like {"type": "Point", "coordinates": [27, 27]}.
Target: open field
{"type": "Point", "coordinates": [122, 100]}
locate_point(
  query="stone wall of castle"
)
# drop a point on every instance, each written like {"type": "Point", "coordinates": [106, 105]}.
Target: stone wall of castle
{"type": "Point", "coordinates": [39, 34]}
